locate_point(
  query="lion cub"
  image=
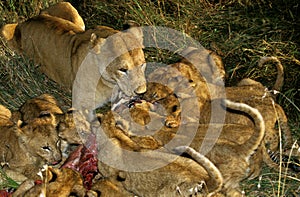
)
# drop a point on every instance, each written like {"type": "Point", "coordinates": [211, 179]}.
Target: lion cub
{"type": "Point", "coordinates": [212, 70]}
{"type": "Point", "coordinates": [248, 91]}
{"type": "Point", "coordinates": [240, 149]}
{"type": "Point", "coordinates": [73, 129]}
{"type": "Point", "coordinates": [26, 147]}
{"type": "Point", "coordinates": [189, 81]}
{"type": "Point", "coordinates": [56, 182]}
{"type": "Point", "coordinates": [182, 79]}
{"type": "Point", "coordinates": [256, 95]}
{"type": "Point", "coordinates": [32, 108]}
{"type": "Point", "coordinates": [181, 176]}
{"type": "Point", "coordinates": [233, 159]}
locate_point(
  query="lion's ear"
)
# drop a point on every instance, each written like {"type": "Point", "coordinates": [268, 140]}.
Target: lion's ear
{"type": "Point", "coordinates": [134, 28]}
{"type": "Point", "coordinates": [12, 35]}
{"type": "Point", "coordinates": [130, 23]}
{"type": "Point", "coordinates": [96, 43]}
{"type": "Point", "coordinates": [8, 31]}
{"type": "Point", "coordinates": [20, 124]}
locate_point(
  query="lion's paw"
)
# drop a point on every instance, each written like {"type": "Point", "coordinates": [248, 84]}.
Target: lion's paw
{"type": "Point", "coordinates": [171, 123]}
{"type": "Point", "coordinates": [188, 189]}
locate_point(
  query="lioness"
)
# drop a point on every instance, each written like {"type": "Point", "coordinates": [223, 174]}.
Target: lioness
{"type": "Point", "coordinates": [60, 47]}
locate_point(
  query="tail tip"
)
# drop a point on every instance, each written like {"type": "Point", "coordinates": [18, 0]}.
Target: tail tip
{"type": "Point", "coordinates": [180, 149]}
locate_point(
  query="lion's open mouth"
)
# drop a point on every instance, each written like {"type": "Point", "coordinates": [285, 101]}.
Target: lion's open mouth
{"type": "Point", "coordinates": [121, 102]}
{"type": "Point", "coordinates": [133, 101]}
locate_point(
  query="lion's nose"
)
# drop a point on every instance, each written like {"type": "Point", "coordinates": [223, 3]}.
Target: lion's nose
{"type": "Point", "coordinates": [141, 89]}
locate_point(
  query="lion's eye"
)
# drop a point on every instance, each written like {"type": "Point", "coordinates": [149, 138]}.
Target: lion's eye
{"type": "Point", "coordinates": [154, 95]}
{"type": "Point", "coordinates": [174, 108]}
{"type": "Point", "coordinates": [124, 70]}
{"type": "Point", "coordinates": [46, 148]}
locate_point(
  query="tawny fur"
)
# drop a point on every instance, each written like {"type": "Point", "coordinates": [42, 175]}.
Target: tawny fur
{"type": "Point", "coordinates": [233, 160]}
{"type": "Point", "coordinates": [32, 108]}
{"type": "Point", "coordinates": [212, 70]}
{"type": "Point", "coordinates": [67, 47]}
{"type": "Point", "coordinates": [163, 181]}
{"type": "Point", "coordinates": [237, 151]}
{"type": "Point", "coordinates": [65, 11]}
{"type": "Point", "coordinates": [248, 91]}
{"type": "Point", "coordinates": [110, 187]}
{"type": "Point", "coordinates": [183, 79]}
{"type": "Point", "coordinates": [56, 182]}
{"type": "Point", "coordinates": [256, 95]}
{"type": "Point", "coordinates": [73, 127]}
{"type": "Point", "coordinates": [115, 131]}
{"type": "Point", "coordinates": [210, 167]}
{"type": "Point", "coordinates": [5, 116]}
{"type": "Point", "coordinates": [26, 148]}
{"type": "Point", "coordinates": [179, 177]}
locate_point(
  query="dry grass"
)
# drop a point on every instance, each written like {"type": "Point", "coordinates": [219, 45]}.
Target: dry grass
{"type": "Point", "coordinates": [19, 79]}
{"type": "Point", "coordinates": [241, 31]}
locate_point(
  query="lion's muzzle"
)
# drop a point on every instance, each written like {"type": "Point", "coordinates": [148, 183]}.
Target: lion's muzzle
{"type": "Point", "coordinates": [141, 89]}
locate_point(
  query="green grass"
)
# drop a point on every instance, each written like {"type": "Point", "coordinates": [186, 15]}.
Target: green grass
{"type": "Point", "coordinates": [240, 31]}
{"type": "Point", "coordinates": [6, 182]}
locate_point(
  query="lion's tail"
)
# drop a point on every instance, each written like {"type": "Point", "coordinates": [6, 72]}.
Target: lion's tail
{"type": "Point", "coordinates": [212, 170]}
{"type": "Point", "coordinates": [255, 140]}
{"type": "Point", "coordinates": [280, 72]}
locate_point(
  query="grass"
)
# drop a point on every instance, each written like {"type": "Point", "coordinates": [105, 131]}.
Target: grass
{"type": "Point", "coordinates": [20, 81]}
{"type": "Point", "coordinates": [240, 31]}
{"type": "Point", "coordinates": [6, 182]}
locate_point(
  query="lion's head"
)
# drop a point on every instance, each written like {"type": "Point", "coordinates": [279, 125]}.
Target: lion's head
{"type": "Point", "coordinates": [124, 57]}
{"type": "Point", "coordinates": [40, 139]}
